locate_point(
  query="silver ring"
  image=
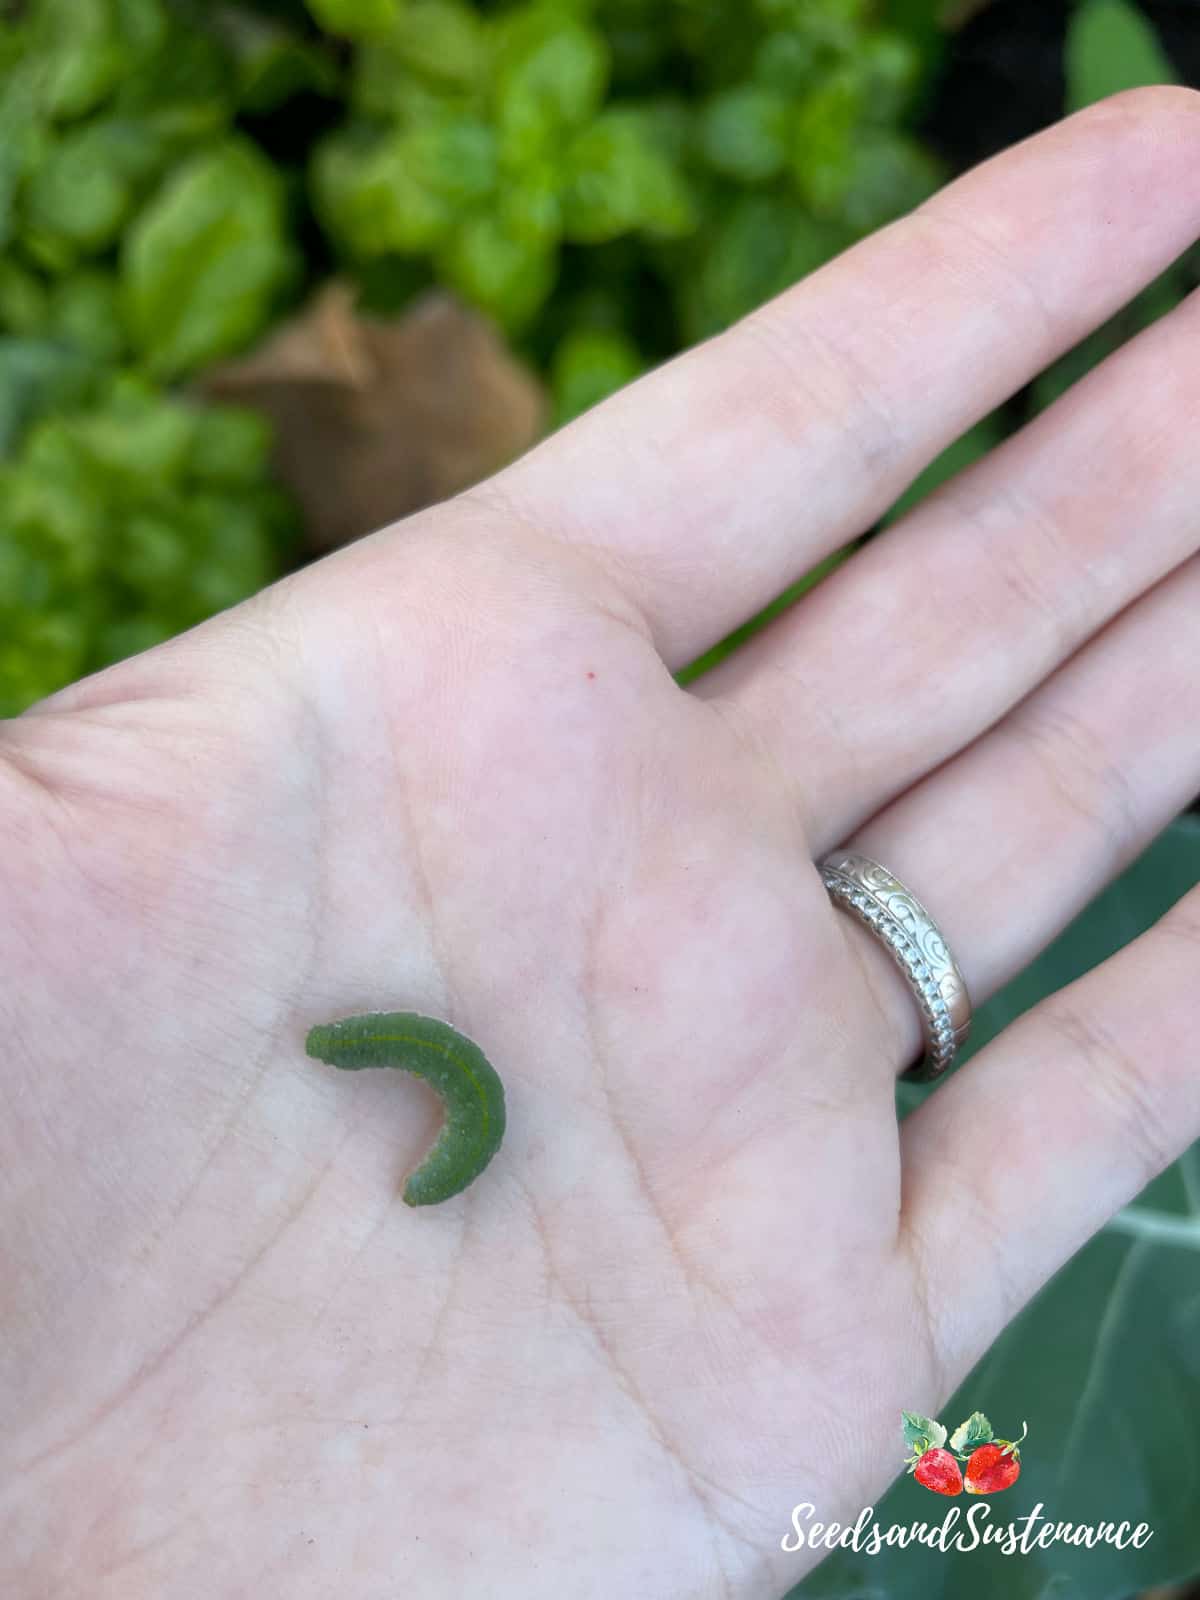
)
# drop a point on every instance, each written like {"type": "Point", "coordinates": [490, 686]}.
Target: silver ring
{"type": "Point", "coordinates": [893, 914]}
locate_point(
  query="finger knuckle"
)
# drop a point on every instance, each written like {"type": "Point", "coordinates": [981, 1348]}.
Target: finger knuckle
{"type": "Point", "coordinates": [1081, 774]}
{"type": "Point", "coordinates": [1120, 1084]}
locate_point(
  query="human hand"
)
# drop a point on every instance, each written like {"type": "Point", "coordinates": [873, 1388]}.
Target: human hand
{"type": "Point", "coordinates": [449, 770]}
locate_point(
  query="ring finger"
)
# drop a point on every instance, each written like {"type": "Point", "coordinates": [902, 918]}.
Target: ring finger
{"type": "Point", "coordinates": [1008, 842]}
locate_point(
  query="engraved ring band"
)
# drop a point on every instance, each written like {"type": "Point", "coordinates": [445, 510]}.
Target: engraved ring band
{"type": "Point", "coordinates": [871, 894]}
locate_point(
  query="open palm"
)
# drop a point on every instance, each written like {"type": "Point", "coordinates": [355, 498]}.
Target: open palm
{"type": "Point", "coordinates": [449, 770]}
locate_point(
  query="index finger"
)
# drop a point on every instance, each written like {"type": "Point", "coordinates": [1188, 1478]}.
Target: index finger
{"type": "Point", "coordinates": [711, 484]}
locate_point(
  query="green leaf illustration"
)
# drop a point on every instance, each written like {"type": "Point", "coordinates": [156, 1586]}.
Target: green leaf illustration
{"type": "Point", "coordinates": [975, 1430]}
{"type": "Point", "coordinates": [922, 1433]}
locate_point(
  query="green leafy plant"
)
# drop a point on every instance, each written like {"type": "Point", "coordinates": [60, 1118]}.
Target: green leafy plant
{"type": "Point", "coordinates": [609, 179]}
{"type": "Point", "coordinates": [202, 263]}
{"type": "Point", "coordinates": [1109, 46]}
{"type": "Point", "coordinates": [142, 238]}
{"type": "Point", "coordinates": [126, 515]}
{"type": "Point", "coordinates": [136, 224]}
{"type": "Point", "coordinates": [565, 164]}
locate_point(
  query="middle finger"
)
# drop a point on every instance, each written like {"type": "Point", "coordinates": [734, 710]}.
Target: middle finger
{"type": "Point", "coordinates": [713, 483]}
{"type": "Point", "coordinates": [930, 634]}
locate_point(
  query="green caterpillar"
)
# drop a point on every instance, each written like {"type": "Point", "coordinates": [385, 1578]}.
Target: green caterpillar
{"type": "Point", "coordinates": [458, 1069]}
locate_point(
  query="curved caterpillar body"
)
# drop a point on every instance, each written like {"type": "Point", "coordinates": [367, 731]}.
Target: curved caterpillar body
{"type": "Point", "coordinates": [457, 1068]}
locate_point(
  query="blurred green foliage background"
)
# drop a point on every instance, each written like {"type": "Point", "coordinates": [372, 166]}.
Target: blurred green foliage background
{"type": "Point", "coordinates": [609, 180]}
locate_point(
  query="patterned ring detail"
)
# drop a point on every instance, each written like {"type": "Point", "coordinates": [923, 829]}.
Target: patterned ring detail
{"type": "Point", "coordinates": [870, 893]}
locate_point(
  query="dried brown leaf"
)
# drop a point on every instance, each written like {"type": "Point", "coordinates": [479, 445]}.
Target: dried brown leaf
{"type": "Point", "coordinates": [374, 417]}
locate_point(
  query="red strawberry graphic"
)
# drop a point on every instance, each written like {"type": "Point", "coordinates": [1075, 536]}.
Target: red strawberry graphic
{"type": "Point", "coordinates": [992, 1467]}
{"type": "Point", "coordinates": [938, 1470]}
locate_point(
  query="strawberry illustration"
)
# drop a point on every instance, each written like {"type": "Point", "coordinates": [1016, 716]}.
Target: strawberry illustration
{"type": "Point", "coordinates": [994, 1466]}
{"type": "Point", "coordinates": [934, 1467]}
{"type": "Point", "coordinates": [939, 1471]}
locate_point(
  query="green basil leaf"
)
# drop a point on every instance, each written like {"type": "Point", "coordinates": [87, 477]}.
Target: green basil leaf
{"type": "Point", "coordinates": [826, 129]}
{"type": "Point", "coordinates": [754, 247]}
{"type": "Point", "coordinates": [79, 198]}
{"type": "Point", "coordinates": [24, 136]}
{"type": "Point", "coordinates": [357, 19]}
{"type": "Point", "coordinates": [57, 499]}
{"type": "Point", "coordinates": [617, 178]}
{"type": "Point", "coordinates": [453, 156]}
{"type": "Point", "coordinates": [230, 447]}
{"type": "Point", "coordinates": [789, 62]}
{"type": "Point", "coordinates": [125, 515]}
{"type": "Point", "coordinates": [1111, 46]}
{"type": "Point", "coordinates": [832, 24]}
{"type": "Point", "coordinates": [889, 65]}
{"type": "Point", "coordinates": [888, 174]}
{"type": "Point", "coordinates": [440, 40]}
{"type": "Point", "coordinates": [745, 133]}
{"type": "Point", "coordinates": [274, 63]}
{"type": "Point", "coordinates": [182, 93]}
{"type": "Point", "coordinates": [24, 301]}
{"type": "Point", "coordinates": [39, 650]}
{"type": "Point", "coordinates": [84, 47]}
{"type": "Point", "coordinates": [203, 263]}
{"type": "Point", "coordinates": [549, 76]}
{"type": "Point", "coordinates": [529, 204]}
{"type": "Point", "coordinates": [84, 311]}
{"type": "Point", "coordinates": [231, 553]}
{"type": "Point", "coordinates": [38, 376]}
{"type": "Point", "coordinates": [589, 365]}
{"type": "Point", "coordinates": [370, 199]}
{"type": "Point", "coordinates": [498, 270]}
{"type": "Point", "coordinates": [137, 436]}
